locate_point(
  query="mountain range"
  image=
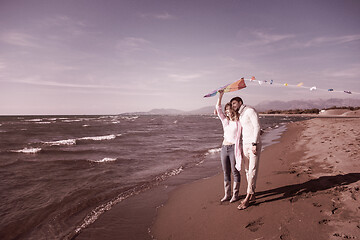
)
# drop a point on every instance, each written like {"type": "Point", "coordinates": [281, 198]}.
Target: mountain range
{"type": "Point", "coordinates": [265, 106]}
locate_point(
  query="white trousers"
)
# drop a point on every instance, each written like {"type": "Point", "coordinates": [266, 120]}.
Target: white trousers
{"type": "Point", "coordinates": [251, 165]}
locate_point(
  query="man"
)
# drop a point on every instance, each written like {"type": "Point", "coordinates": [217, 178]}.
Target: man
{"type": "Point", "coordinates": [251, 144]}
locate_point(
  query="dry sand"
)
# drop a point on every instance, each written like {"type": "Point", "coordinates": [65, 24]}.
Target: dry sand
{"type": "Point", "coordinates": [308, 188]}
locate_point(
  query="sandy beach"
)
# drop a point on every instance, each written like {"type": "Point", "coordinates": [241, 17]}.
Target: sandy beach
{"type": "Point", "coordinates": [307, 188]}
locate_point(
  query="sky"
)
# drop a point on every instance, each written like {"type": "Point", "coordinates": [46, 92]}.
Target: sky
{"type": "Point", "coordinates": [116, 56]}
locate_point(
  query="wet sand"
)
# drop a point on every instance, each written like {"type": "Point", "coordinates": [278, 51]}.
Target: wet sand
{"type": "Point", "coordinates": [307, 188]}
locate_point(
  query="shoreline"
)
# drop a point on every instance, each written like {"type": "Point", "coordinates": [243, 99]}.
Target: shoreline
{"type": "Point", "coordinates": [308, 186]}
{"type": "Point", "coordinates": [133, 217]}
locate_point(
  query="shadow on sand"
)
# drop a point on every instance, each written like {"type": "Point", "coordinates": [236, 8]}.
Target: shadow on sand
{"type": "Point", "coordinates": [314, 185]}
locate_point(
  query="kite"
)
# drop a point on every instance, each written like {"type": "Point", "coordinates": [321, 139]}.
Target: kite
{"type": "Point", "coordinates": [239, 84]}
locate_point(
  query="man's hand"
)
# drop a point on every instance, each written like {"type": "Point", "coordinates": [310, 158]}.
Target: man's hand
{"type": "Point", "coordinates": [254, 150]}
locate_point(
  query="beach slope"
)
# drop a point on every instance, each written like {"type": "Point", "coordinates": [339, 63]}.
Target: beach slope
{"type": "Point", "coordinates": [308, 188]}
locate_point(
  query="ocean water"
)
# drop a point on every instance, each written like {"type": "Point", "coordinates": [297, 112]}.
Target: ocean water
{"type": "Point", "coordinates": [59, 174]}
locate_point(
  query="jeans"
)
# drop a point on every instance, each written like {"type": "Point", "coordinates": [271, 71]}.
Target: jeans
{"type": "Point", "coordinates": [228, 163]}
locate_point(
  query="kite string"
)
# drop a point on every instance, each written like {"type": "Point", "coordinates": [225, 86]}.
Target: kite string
{"type": "Point", "coordinates": [271, 82]}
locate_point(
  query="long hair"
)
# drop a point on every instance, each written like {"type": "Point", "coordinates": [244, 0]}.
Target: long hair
{"type": "Point", "coordinates": [233, 115]}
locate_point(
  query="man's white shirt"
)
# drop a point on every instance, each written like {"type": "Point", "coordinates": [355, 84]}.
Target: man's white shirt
{"type": "Point", "coordinates": [249, 120]}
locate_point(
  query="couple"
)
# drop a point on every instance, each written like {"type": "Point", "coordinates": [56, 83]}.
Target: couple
{"type": "Point", "coordinates": [241, 144]}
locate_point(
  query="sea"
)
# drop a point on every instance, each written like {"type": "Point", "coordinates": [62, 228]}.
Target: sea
{"type": "Point", "coordinates": [60, 174]}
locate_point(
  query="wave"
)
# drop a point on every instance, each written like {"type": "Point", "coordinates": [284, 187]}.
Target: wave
{"type": "Point", "coordinates": [130, 118]}
{"type": "Point", "coordinates": [28, 150]}
{"type": "Point", "coordinates": [74, 141]}
{"type": "Point", "coordinates": [99, 138]}
{"type": "Point", "coordinates": [33, 120]}
{"type": "Point", "coordinates": [72, 120]}
{"type": "Point", "coordinates": [62, 142]}
{"type": "Point", "coordinates": [42, 122]}
{"type": "Point", "coordinates": [213, 150]}
{"type": "Point", "coordinates": [104, 160]}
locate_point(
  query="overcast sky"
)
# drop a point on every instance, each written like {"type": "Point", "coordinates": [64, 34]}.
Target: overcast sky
{"type": "Point", "coordinates": [114, 56]}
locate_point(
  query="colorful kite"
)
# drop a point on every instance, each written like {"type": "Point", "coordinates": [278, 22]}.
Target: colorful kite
{"type": "Point", "coordinates": [313, 88]}
{"type": "Point", "coordinates": [330, 90]}
{"type": "Point", "coordinates": [300, 84]}
{"type": "Point", "coordinates": [348, 92]}
{"type": "Point", "coordinates": [239, 84]}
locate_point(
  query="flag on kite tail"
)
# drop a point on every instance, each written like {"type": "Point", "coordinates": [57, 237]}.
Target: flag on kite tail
{"type": "Point", "coordinates": [231, 87]}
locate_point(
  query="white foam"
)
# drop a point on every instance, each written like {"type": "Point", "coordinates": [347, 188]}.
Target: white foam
{"type": "Point", "coordinates": [175, 171]}
{"type": "Point", "coordinates": [99, 138]}
{"type": "Point", "coordinates": [85, 125]}
{"type": "Point", "coordinates": [214, 150]}
{"type": "Point", "coordinates": [74, 120]}
{"type": "Point", "coordinates": [131, 118]}
{"type": "Point", "coordinates": [28, 150]}
{"type": "Point", "coordinates": [34, 120]}
{"type": "Point", "coordinates": [62, 142]}
{"type": "Point", "coordinates": [105, 160]}
{"type": "Point", "coordinates": [43, 122]}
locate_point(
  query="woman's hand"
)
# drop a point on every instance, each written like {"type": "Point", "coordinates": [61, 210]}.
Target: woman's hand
{"type": "Point", "coordinates": [221, 93]}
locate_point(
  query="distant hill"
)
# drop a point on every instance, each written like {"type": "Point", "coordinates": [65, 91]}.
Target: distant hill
{"type": "Point", "coordinates": [300, 104]}
{"type": "Point", "coordinates": [166, 111]}
{"type": "Point", "coordinates": [264, 106]}
{"type": "Point", "coordinates": [203, 111]}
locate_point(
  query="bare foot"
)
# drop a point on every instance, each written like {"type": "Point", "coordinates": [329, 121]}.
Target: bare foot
{"type": "Point", "coordinates": [243, 205]}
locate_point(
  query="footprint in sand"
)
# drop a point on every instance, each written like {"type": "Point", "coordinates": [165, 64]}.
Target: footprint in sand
{"type": "Point", "coordinates": [317, 205]}
{"type": "Point", "coordinates": [255, 225]}
{"type": "Point", "coordinates": [324, 221]}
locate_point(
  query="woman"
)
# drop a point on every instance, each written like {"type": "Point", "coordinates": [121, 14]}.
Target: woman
{"type": "Point", "coordinates": [230, 150]}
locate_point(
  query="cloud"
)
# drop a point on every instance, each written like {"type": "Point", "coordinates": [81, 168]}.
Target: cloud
{"type": "Point", "coordinates": [184, 78]}
{"type": "Point", "coordinates": [266, 38]}
{"type": "Point", "coordinates": [19, 39]}
{"type": "Point", "coordinates": [159, 16]}
{"type": "Point", "coordinates": [351, 72]}
{"type": "Point", "coordinates": [332, 40]}
{"type": "Point", "coordinates": [63, 24]}
{"type": "Point", "coordinates": [263, 39]}
{"type": "Point", "coordinates": [2, 65]}
{"type": "Point", "coordinates": [128, 88]}
{"type": "Point", "coordinates": [131, 44]}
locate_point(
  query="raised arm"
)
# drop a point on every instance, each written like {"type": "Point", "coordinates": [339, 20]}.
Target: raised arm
{"type": "Point", "coordinates": [218, 106]}
{"type": "Point", "coordinates": [221, 94]}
